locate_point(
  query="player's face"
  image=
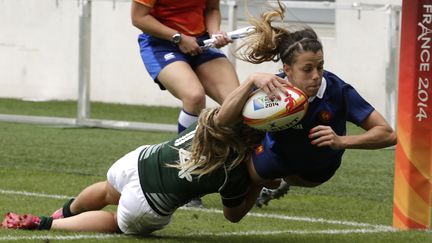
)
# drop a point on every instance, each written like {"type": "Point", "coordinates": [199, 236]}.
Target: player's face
{"type": "Point", "coordinates": [306, 72]}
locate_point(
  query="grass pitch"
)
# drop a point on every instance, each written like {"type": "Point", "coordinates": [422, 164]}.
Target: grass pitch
{"type": "Point", "coordinates": [41, 166]}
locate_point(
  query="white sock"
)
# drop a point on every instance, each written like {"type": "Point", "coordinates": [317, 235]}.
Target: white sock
{"type": "Point", "coordinates": [185, 120]}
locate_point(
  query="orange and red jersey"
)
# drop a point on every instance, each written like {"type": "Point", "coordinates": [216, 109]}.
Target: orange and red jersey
{"type": "Point", "coordinates": [185, 16]}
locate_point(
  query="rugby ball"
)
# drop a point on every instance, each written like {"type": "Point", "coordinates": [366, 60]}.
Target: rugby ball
{"type": "Point", "coordinates": [270, 114]}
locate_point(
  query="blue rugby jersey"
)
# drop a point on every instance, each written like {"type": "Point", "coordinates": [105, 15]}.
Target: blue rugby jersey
{"type": "Point", "coordinates": [290, 151]}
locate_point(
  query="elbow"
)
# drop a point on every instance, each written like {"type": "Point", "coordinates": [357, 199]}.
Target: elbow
{"type": "Point", "coordinates": [234, 216]}
{"type": "Point", "coordinates": [234, 219]}
{"type": "Point", "coordinates": [138, 11]}
{"type": "Point", "coordinates": [138, 20]}
{"type": "Point", "coordinates": [392, 139]}
{"type": "Point", "coordinates": [134, 21]}
{"type": "Point", "coordinates": [224, 119]}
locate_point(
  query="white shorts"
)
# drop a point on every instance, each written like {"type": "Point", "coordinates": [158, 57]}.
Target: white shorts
{"type": "Point", "coordinates": [134, 214]}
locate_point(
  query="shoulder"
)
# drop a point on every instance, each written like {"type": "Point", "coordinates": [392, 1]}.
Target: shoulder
{"type": "Point", "coordinates": [335, 84]}
{"type": "Point", "coordinates": [333, 79]}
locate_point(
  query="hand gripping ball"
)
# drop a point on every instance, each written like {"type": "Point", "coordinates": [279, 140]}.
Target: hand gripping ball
{"type": "Point", "coordinates": [270, 114]}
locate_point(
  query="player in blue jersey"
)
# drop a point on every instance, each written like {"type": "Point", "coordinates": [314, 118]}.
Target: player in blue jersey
{"type": "Point", "coordinates": [310, 153]}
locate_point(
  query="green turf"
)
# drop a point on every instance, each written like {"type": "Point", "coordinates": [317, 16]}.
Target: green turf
{"type": "Point", "coordinates": [97, 110]}
{"type": "Point", "coordinates": [52, 160]}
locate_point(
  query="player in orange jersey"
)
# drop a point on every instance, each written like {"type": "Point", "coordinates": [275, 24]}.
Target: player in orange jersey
{"type": "Point", "coordinates": [176, 62]}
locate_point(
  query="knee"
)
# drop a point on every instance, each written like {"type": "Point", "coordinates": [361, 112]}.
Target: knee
{"type": "Point", "coordinates": [112, 196]}
{"type": "Point", "coordinates": [195, 99]}
{"type": "Point", "coordinates": [116, 227]}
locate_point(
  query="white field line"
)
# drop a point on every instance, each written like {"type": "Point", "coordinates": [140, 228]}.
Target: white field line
{"type": "Point", "coordinates": [303, 219]}
{"type": "Point", "coordinates": [225, 234]}
{"type": "Point", "coordinates": [33, 194]}
{"type": "Point", "coordinates": [251, 214]}
{"type": "Point", "coordinates": [364, 227]}
{"type": "Point", "coordinates": [297, 232]}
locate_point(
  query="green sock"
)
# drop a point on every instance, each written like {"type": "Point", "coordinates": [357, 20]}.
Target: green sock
{"type": "Point", "coordinates": [45, 223]}
{"type": "Point", "coordinates": [66, 208]}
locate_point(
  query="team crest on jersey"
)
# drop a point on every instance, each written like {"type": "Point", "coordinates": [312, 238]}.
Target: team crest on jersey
{"type": "Point", "coordinates": [186, 172]}
{"type": "Point", "coordinates": [259, 149]}
{"type": "Point", "coordinates": [324, 117]}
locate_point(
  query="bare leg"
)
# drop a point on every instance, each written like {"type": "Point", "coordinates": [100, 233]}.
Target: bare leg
{"type": "Point", "coordinates": [218, 78]}
{"type": "Point", "coordinates": [93, 221]}
{"type": "Point", "coordinates": [182, 82]}
{"type": "Point", "coordinates": [95, 197]}
{"type": "Point", "coordinates": [88, 216]}
{"type": "Point", "coordinates": [86, 207]}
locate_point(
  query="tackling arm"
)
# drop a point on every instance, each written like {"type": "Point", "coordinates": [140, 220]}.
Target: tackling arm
{"type": "Point", "coordinates": [235, 214]}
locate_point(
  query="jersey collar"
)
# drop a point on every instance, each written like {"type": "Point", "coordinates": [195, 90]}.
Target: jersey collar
{"type": "Point", "coordinates": [321, 90]}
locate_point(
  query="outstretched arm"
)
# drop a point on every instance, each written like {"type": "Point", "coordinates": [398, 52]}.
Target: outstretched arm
{"type": "Point", "coordinates": [378, 134]}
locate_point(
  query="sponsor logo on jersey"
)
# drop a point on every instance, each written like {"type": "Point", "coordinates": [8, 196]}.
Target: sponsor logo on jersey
{"type": "Point", "coordinates": [298, 127]}
{"type": "Point", "coordinates": [169, 56]}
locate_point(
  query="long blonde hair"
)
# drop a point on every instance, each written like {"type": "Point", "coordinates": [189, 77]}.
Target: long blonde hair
{"type": "Point", "coordinates": [274, 43]}
{"type": "Point", "coordinates": [214, 146]}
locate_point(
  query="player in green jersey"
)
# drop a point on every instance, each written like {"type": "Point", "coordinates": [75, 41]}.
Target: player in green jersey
{"type": "Point", "coordinates": [151, 182]}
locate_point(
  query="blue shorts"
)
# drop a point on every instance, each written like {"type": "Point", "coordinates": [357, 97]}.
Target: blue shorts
{"type": "Point", "coordinates": [157, 53]}
{"type": "Point", "coordinates": [269, 165]}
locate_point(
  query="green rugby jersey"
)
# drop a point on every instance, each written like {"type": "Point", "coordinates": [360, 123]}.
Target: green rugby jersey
{"type": "Point", "coordinates": [167, 188]}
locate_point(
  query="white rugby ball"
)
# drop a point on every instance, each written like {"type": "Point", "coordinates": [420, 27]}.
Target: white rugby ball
{"type": "Point", "coordinates": [270, 114]}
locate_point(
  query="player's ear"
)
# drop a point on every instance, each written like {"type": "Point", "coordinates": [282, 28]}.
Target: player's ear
{"type": "Point", "coordinates": [287, 70]}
